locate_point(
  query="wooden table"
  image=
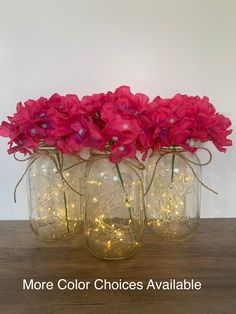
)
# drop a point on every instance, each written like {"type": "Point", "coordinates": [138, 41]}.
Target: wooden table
{"type": "Point", "coordinates": [210, 257]}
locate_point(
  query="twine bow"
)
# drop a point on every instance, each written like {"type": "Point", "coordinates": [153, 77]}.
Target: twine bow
{"type": "Point", "coordinates": [133, 164]}
{"type": "Point", "coordinates": [189, 163]}
{"type": "Point", "coordinates": [58, 162]}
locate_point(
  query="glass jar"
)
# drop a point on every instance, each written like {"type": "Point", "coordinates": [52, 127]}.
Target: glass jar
{"type": "Point", "coordinates": [114, 215]}
{"type": "Point", "coordinates": [55, 210]}
{"type": "Point", "coordinates": [174, 195]}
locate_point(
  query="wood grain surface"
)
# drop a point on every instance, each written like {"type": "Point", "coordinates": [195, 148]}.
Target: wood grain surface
{"type": "Point", "coordinates": [209, 257]}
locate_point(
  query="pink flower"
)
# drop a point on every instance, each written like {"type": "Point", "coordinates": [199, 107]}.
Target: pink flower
{"type": "Point", "coordinates": [122, 102]}
{"type": "Point", "coordinates": [25, 127]}
{"type": "Point", "coordinates": [73, 130]}
{"type": "Point", "coordinates": [183, 119]}
{"type": "Point", "coordinates": [125, 150]}
{"type": "Point", "coordinates": [96, 139]}
{"type": "Point", "coordinates": [120, 127]}
{"type": "Point", "coordinates": [120, 122]}
{"type": "Point", "coordinates": [91, 106]}
{"type": "Point", "coordinates": [126, 120]}
{"type": "Point", "coordinates": [72, 136]}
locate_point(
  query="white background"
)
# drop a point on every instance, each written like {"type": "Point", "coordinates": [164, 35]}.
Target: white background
{"type": "Point", "coordinates": [155, 46]}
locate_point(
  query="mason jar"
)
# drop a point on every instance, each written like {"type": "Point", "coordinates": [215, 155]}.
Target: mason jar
{"type": "Point", "coordinates": [55, 203]}
{"type": "Point", "coordinates": [114, 211]}
{"type": "Point", "coordinates": [173, 193]}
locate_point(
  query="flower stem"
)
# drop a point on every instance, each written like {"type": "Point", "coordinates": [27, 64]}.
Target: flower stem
{"type": "Point", "coordinates": [120, 176]}
{"type": "Point", "coordinates": [168, 214]}
{"type": "Point", "coordinates": [64, 195]}
{"type": "Point", "coordinates": [173, 165]}
{"type": "Point", "coordinates": [66, 212]}
{"type": "Point", "coordinates": [126, 199]}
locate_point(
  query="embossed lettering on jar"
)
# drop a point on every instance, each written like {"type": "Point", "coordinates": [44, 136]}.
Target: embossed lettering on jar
{"type": "Point", "coordinates": [173, 199]}
{"type": "Point", "coordinates": [55, 210]}
{"type": "Point", "coordinates": [114, 216]}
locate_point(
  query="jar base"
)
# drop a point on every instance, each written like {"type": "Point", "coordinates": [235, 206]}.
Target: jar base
{"type": "Point", "coordinates": [113, 239]}
{"type": "Point", "coordinates": [126, 251]}
{"type": "Point", "coordinates": [173, 231]}
{"type": "Point", "coordinates": [112, 258]}
{"type": "Point", "coordinates": [56, 232]}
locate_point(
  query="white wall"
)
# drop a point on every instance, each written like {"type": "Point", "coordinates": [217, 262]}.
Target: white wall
{"type": "Point", "coordinates": [85, 46]}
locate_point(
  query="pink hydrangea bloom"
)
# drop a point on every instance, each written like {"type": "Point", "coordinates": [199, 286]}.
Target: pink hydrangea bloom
{"type": "Point", "coordinates": [118, 122]}
{"type": "Point", "coordinates": [183, 120]}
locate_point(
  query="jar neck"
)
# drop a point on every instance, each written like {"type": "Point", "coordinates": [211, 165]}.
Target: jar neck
{"type": "Point", "coordinates": [97, 154]}
{"type": "Point", "coordinates": [46, 148]}
{"type": "Point", "coordinates": [172, 149]}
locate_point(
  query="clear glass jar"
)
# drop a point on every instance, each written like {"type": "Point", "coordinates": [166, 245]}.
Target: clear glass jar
{"type": "Point", "coordinates": [114, 215]}
{"type": "Point", "coordinates": [55, 210]}
{"type": "Point", "coordinates": [173, 200]}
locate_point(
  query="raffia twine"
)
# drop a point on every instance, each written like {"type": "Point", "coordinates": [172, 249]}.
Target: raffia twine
{"type": "Point", "coordinates": [58, 164]}
{"type": "Point", "coordinates": [134, 164]}
{"type": "Point", "coordinates": [189, 162]}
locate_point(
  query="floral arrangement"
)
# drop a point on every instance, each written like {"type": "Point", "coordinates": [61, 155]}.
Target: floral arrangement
{"type": "Point", "coordinates": [114, 125]}
{"type": "Point", "coordinates": [118, 122]}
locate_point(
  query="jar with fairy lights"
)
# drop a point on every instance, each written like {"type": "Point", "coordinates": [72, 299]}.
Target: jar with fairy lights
{"type": "Point", "coordinates": [54, 194]}
{"type": "Point", "coordinates": [173, 193]}
{"type": "Point", "coordinates": [114, 215]}
{"type": "Point", "coordinates": [119, 129]}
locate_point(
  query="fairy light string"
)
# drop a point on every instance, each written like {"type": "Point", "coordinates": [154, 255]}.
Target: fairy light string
{"type": "Point", "coordinates": [189, 162]}
{"type": "Point", "coordinates": [134, 165]}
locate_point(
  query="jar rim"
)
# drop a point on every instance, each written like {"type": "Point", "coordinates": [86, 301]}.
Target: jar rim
{"type": "Point", "coordinates": [172, 148]}
{"type": "Point", "coordinates": [97, 154]}
{"type": "Point", "coordinates": [43, 146]}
